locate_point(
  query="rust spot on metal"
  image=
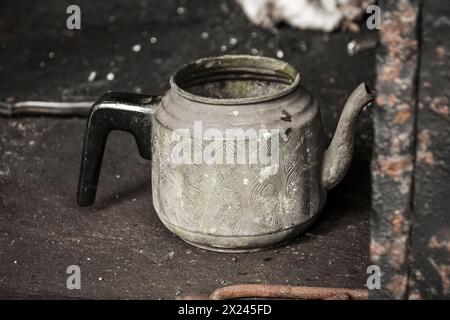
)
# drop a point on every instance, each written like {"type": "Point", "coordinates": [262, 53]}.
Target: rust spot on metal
{"type": "Point", "coordinates": [423, 154]}
{"type": "Point", "coordinates": [397, 252]}
{"type": "Point", "coordinates": [440, 52]}
{"type": "Point", "coordinates": [440, 106]}
{"type": "Point", "coordinates": [397, 286]}
{"type": "Point", "coordinates": [380, 100]}
{"type": "Point", "coordinates": [393, 166]}
{"type": "Point", "coordinates": [444, 273]}
{"type": "Point", "coordinates": [389, 72]}
{"type": "Point", "coordinates": [415, 295]}
{"type": "Point", "coordinates": [441, 240]}
{"type": "Point", "coordinates": [377, 250]}
{"type": "Point", "coordinates": [399, 222]}
{"type": "Point", "coordinates": [403, 115]}
{"type": "Point", "coordinates": [400, 142]}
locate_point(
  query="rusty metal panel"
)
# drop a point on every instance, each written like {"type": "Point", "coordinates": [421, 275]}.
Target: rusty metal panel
{"type": "Point", "coordinates": [430, 233]}
{"type": "Point", "coordinates": [394, 145]}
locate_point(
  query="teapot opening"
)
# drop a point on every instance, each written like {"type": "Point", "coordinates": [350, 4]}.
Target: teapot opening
{"type": "Point", "coordinates": [235, 79]}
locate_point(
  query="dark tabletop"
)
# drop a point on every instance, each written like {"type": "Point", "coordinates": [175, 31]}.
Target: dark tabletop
{"type": "Point", "coordinates": [122, 248]}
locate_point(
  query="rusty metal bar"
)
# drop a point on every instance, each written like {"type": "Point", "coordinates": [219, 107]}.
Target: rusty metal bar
{"type": "Point", "coordinates": [282, 292]}
{"type": "Point", "coordinates": [394, 145]}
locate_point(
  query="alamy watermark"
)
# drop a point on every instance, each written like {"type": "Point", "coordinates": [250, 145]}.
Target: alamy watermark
{"type": "Point", "coordinates": [374, 280]}
{"type": "Point", "coordinates": [374, 20]}
{"type": "Point", "coordinates": [74, 279]}
{"type": "Point", "coordinates": [73, 21]}
{"type": "Point", "coordinates": [226, 146]}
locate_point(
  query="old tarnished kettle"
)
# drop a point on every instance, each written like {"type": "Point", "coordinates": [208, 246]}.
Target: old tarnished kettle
{"type": "Point", "coordinates": [238, 154]}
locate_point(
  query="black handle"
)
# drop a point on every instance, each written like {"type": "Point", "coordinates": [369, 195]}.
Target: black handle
{"type": "Point", "coordinates": [113, 111]}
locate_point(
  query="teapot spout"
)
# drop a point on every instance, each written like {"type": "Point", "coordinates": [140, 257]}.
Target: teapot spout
{"type": "Point", "coordinates": [338, 156]}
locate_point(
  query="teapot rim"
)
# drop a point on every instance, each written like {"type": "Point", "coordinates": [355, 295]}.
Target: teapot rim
{"type": "Point", "coordinates": [263, 66]}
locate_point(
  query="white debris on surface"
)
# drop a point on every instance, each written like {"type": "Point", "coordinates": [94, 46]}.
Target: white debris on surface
{"type": "Point", "coordinates": [153, 40]}
{"type": "Point", "coordinates": [110, 76]}
{"type": "Point", "coordinates": [322, 15]}
{"type": "Point", "coordinates": [280, 54]}
{"type": "Point", "coordinates": [233, 41]}
{"type": "Point", "coordinates": [267, 171]}
{"type": "Point", "coordinates": [136, 48]}
{"type": "Point", "coordinates": [92, 76]}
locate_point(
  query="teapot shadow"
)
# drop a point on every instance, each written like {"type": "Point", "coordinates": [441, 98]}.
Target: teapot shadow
{"type": "Point", "coordinates": [133, 190]}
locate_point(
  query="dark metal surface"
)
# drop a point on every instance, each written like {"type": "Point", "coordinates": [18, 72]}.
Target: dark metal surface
{"type": "Point", "coordinates": [120, 245]}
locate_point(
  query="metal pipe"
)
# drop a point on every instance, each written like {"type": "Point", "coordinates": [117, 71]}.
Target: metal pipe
{"type": "Point", "coordinates": [45, 108]}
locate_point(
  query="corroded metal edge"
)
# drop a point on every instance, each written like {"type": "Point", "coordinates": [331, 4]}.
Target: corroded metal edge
{"type": "Point", "coordinates": [394, 147]}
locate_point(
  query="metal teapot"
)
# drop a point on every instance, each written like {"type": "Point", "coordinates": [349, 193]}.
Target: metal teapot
{"type": "Point", "coordinates": [238, 155]}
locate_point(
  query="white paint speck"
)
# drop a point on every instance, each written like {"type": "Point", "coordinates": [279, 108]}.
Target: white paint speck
{"type": "Point", "coordinates": [181, 10]}
{"type": "Point", "coordinates": [100, 279]}
{"type": "Point", "coordinates": [136, 48]}
{"type": "Point", "coordinates": [235, 113]}
{"type": "Point", "coordinates": [233, 41]}
{"type": "Point", "coordinates": [15, 261]}
{"type": "Point", "coordinates": [204, 35]}
{"type": "Point", "coordinates": [268, 171]}
{"type": "Point", "coordinates": [110, 76]}
{"type": "Point", "coordinates": [280, 54]}
{"type": "Point", "coordinates": [92, 76]}
{"type": "Point", "coordinates": [153, 40]}
{"type": "Point", "coordinates": [245, 181]}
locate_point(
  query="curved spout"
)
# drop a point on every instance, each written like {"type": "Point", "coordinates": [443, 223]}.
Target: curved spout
{"type": "Point", "coordinates": [338, 156]}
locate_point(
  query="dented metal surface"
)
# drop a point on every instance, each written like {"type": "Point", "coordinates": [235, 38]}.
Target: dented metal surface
{"type": "Point", "coordinates": [393, 157]}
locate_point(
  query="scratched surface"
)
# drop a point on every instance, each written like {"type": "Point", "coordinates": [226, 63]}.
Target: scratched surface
{"type": "Point", "coordinates": [122, 248]}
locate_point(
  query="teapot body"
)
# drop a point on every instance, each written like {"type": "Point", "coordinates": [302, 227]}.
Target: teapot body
{"type": "Point", "coordinates": [232, 203]}
{"type": "Point", "coordinates": [237, 150]}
